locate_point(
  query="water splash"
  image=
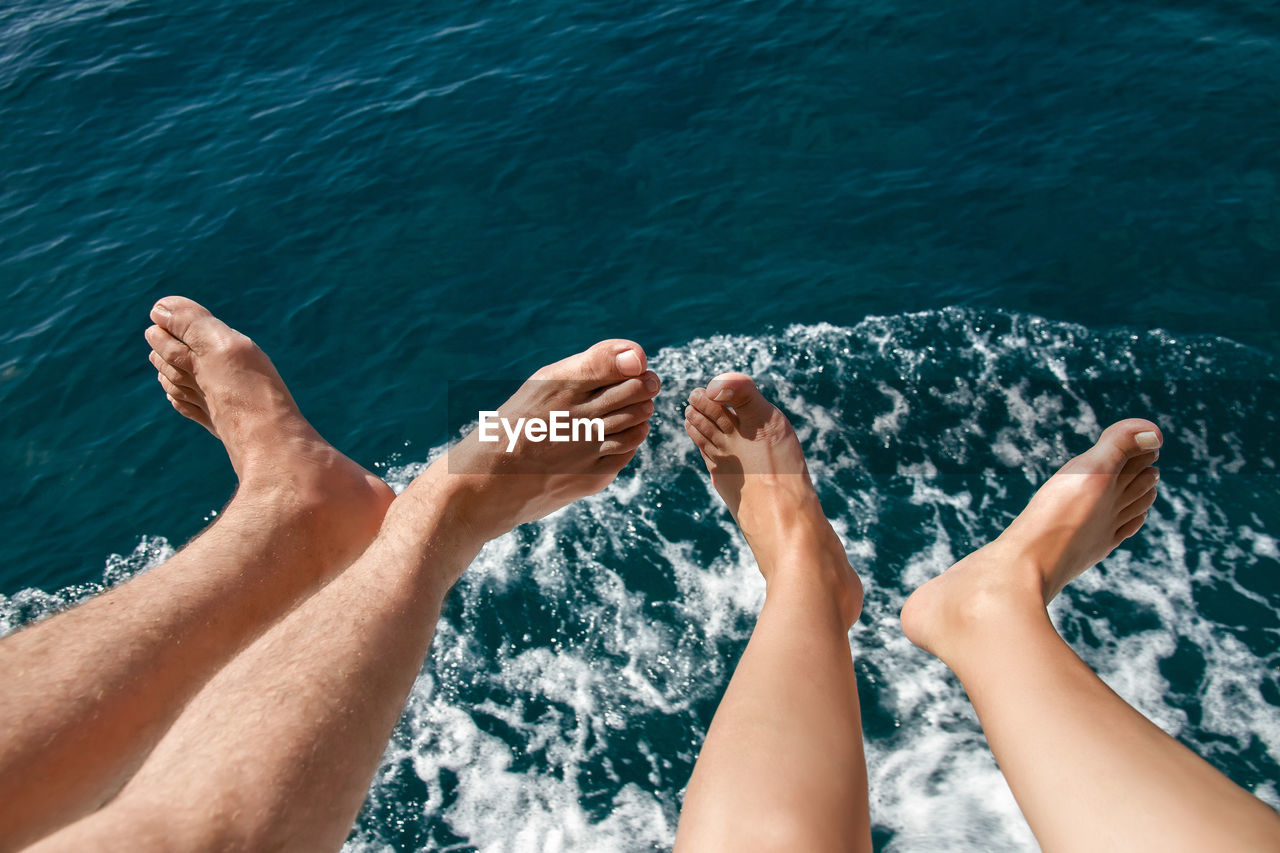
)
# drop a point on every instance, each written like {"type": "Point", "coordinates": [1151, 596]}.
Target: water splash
{"type": "Point", "coordinates": [579, 661]}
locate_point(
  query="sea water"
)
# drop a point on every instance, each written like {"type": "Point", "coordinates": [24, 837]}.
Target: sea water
{"type": "Point", "coordinates": [579, 660]}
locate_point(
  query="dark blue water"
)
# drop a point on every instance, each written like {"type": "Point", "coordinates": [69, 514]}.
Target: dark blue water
{"type": "Point", "coordinates": [389, 197]}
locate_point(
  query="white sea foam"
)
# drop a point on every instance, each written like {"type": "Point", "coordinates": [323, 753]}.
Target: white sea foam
{"type": "Point", "coordinates": [29, 605]}
{"type": "Point", "coordinates": [578, 660]}
{"type": "Point", "coordinates": [934, 783]}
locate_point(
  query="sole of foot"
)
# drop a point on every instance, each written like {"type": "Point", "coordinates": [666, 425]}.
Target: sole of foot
{"type": "Point", "coordinates": [497, 488]}
{"type": "Point", "coordinates": [757, 466]}
{"type": "Point", "coordinates": [220, 379]}
{"type": "Point", "coordinates": [1077, 518]}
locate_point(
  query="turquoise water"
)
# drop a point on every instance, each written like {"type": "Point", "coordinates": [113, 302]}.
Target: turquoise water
{"type": "Point", "coordinates": [953, 241]}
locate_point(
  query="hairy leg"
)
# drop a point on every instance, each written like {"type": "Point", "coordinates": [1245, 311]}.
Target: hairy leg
{"type": "Point", "coordinates": [278, 750]}
{"type": "Point", "coordinates": [89, 692]}
{"type": "Point", "coordinates": [1089, 772]}
{"type": "Point", "coordinates": [782, 767]}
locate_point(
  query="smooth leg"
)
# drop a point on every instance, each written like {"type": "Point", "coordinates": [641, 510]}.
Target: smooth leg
{"type": "Point", "coordinates": [277, 751]}
{"type": "Point", "coordinates": [1089, 772]}
{"type": "Point", "coordinates": [88, 693]}
{"type": "Point", "coordinates": [782, 767]}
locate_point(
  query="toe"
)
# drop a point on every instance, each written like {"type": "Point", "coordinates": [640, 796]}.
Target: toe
{"type": "Point", "coordinates": [1119, 443]}
{"type": "Point", "coordinates": [736, 390]}
{"type": "Point", "coordinates": [704, 425]}
{"type": "Point", "coordinates": [1142, 482]}
{"type": "Point", "coordinates": [187, 320]}
{"type": "Point", "coordinates": [1136, 465]}
{"type": "Point", "coordinates": [169, 348]}
{"type": "Point", "coordinates": [699, 440]}
{"type": "Point", "coordinates": [724, 418]}
{"type": "Point", "coordinates": [626, 441]}
{"type": "Point", "coordinates": [195, 413]}
{"type": "Point", "coordinates": [177, 392]}
{"type": "Point", "coordinates": [1137, 507]}
{"type": "Point", "coordinates": [626, 418]}
{"type": "Point", "coordinates": [605, 363]}
{"type": "Point", "coordinates": [612, 464]}
{"type": "Point", "coordinates": [178, 377]}
{"type": "Point", "coordinates": [623, 394]}
{"type": "Point", "coordinates": [1129, 528]}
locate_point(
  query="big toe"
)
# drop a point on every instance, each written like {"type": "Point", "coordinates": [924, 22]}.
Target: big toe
{"type": "Point", "coordinates": [736, 390]}
{"type": "Point", "coordinates": [188, 321]}
{"type": "Point", "coordinates": [605, 363]}
{"type": "Point", "coordinates": [1119, 443]}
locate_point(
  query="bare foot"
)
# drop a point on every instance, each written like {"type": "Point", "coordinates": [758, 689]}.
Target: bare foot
{"type": "Point", "coordinates": [220, 379]}
{"type": "Point", "coordinates": [758, 468]}
{"type": "Point", "coordinates": [493, 489]}
{"type": "Point", "coordinates": [1091, 505]}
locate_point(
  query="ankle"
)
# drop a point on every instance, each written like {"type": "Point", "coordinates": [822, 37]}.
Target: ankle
{"type": "Point", "coordinates": [816, 571]}
{"type": "Point", "coordinates": [1023, 569]}
{"type": "Point", "coordinates": [436, 518]}
{"type": "Point", "coordinates": [988, 609]}
{"type": "Point", "coordinates": [286, 494]}
{"type": "Point", "coordinates": [989, 597]}
{"type": "Point", "coordinates": [824, 593]}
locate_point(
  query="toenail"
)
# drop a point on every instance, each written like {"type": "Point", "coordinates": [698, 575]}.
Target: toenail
{"type": "Point", "coordinates": [1147, 440]}
{"type": "Point", "coordinates": [629, 363]}
{"type": "Point", "coordinates": [161, 311]}
{"type": "Point", "coordinates": [723, 396]}
{"type": "Point", "coordinates": [651, 382]}
{"type": "Point", "coordinates": [694, 394]}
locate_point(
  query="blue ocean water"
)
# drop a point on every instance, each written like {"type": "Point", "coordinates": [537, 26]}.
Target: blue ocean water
{"type": "Point", "coordinates": [953, 240]}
